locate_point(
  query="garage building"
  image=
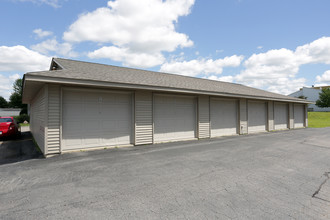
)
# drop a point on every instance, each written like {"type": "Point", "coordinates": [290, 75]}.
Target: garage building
{"type": "Point", "coordinates": [79, 105]}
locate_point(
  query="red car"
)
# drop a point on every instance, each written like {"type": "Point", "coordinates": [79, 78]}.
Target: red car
{"type": "Point", "coordinates": [8, 127]}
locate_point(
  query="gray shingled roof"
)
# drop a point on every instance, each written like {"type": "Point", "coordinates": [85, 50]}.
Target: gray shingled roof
{"type": "Point", "coordinates": [79, 70]}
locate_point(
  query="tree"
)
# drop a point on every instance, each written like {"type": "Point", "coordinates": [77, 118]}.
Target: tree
{"type": "Point", "coordinates": [15, 99]}
{"type": "Point", "coordinates": [302, 97]}
{"type": "Point", "coordinates": [18, 86]}
{"type": "Point", "coordinates": [3, 102]}
{"type": "Point", "coordinates": [324, 98]}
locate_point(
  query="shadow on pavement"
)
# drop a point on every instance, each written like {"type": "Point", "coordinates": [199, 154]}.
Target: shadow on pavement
{"type": "Point", "coordinates": [19, 149]}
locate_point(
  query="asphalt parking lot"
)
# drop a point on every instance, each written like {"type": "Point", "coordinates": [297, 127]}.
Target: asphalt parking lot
{"type": "Point", "coordinates": [18, 149]}
{"type": "Point", "coordinates": [275, 175]}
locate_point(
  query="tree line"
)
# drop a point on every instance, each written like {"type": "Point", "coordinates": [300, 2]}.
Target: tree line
{"type": "Point", "coordinates": [15, 99]}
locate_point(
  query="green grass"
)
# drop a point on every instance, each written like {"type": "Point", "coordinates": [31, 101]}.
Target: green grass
{"type": "Point", "coordinates": [22, 124]}
{"type": "Point", "coordinates": [318, 119]}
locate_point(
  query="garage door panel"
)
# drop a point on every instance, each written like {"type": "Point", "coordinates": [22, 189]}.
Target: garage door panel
{"type": "Point", "coordinates": [72, 97]}
{"type": "Point", "coordinates": [91, 139]}
{"type": "Point", "coordinates": [174, 118]}
{"type": "Point", "coordinates": [223, 117]}
{"type": "Point", "coordinates": [109, 98]}
{"type": "Point", "coordinates": [97, 119]}
{"type": "Point", "coordinates": [257, 117]}
{"type": "Point", "coordinates": [91, 109]}
{"type": "Point", "coordinates": [299, 116]}
{"type": "Point", "coordinates": [72, 141]}
{"type": "Point", "coordinates": [72, 110]}
{"type": "Point", "coordinates": [92, 125]}
{"type": "Point", "coordinates": [281, 116]}
{"type": "Point", "coordinates": [76, 127]}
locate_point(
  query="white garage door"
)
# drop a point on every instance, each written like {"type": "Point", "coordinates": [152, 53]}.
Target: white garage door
{"type": "Point", "coordinates": [174, 118]}
{"type": "Point", "coordinates": [223, 117]}
{"type": "Point", "coordinates": [299, 116]}
{"type": "Point", "coordinates": [281, 116]}
{"type": "Point", "coordinates": [257, 116]}
{"type": "Point", "coordinates": [95, 119]}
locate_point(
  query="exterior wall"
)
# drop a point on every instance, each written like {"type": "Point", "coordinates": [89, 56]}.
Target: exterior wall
{"type": "Point", "coordinates": [243, 123]}
{"type": "Point", "coordinates": [270, 107]}
{"type": "Point", "coordinates": [9, 111]}
{"type": "Point", "coordinates": [143, 118]}
{"type": "Point", "coordinates": [54, 112]}
{"type": "Point", "coordinates": [38, 118]}
{"type": "Point", "coordinates": [46, 116]}
{"type": "Point", "coordinates": [291, 117]}
{"type": "Point", "coordinates": [312, 94]}
{"type": "Point", "coordinates": [203, 117]}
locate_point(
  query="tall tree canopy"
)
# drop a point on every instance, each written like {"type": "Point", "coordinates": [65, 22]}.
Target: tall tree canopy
{"type": "Point", "coordinates": [15, 99]}
{"type": "Point", "coordinates": [18, 86]}
{"type": "Point", "coordinates": [3, 102]}
{"type": "Point", "coordinates": [324, 98]}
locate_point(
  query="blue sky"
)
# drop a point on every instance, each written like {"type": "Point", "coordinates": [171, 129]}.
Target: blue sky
{"type": "Point", "coordinates": [274, 45]}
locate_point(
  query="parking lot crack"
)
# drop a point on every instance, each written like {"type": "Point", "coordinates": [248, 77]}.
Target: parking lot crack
{"type": "Point", "coordinates": [326, 174]}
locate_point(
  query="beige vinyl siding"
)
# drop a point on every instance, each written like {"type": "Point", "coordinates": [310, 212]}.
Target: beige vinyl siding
{"type": "Point", "coordinates": [143, 118]}
{"type": "Point", "coordinates": [38, 118]}
{"type": "Point", "coordinates": [203, 117]}
{"type": "Point", "coordinates": [54, 110]}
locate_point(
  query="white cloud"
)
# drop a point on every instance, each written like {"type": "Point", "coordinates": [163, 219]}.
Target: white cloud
{"type": "Point", "coordinates": [53, 3]}
{"type": "Point", "coordinates": [6, 84]}
{"type": "Point", "coordinates": [316, 52]}
{"type": "Point", "coordinates": [128, 57]}
{"type": "Point", "coordinates": [20, 58]}
{"type": "Point", "coordinates": [137, 27]}
{"type": "Point", "coordinates": [324, 79]}
{"type": "Point", "coordinates": [276, 70]}
{"type": "Point", "coordinates": [270, 66]}
{"type": "Point", "coordinates": [41, 34]}
{"type": "Point", "coordinates": [221, 78]}
{"type": "Point", "coordinates": [51, 45]}
{"type": "Point", "coordinates": [259, 47]}
{"type": "Point", "coordinates": [201, 66]}
{"type": "Point", "coordinates": [285, 85]}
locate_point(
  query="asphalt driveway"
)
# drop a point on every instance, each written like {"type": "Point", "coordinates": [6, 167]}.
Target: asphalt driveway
{"type": "Point", "coordinates": [18, 149]}
{"type": "Point", "coordinates": [276, 175]}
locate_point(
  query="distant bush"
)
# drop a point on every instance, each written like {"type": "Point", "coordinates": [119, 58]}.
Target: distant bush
{"type": "Point", "coordinates": [21, 118]}
{"type": "Point", "coordinates": [23, 111]}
